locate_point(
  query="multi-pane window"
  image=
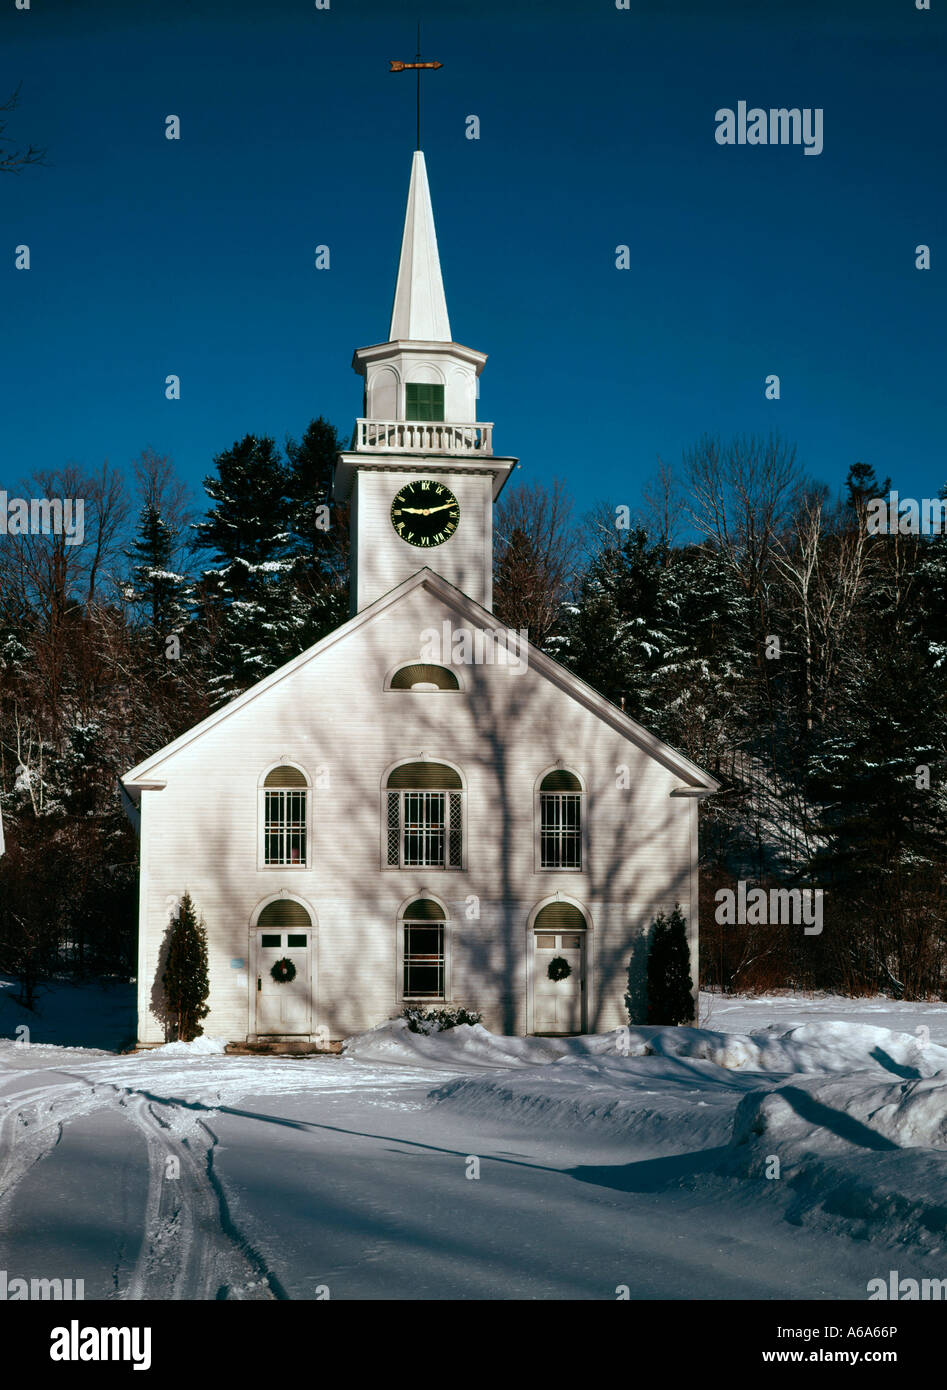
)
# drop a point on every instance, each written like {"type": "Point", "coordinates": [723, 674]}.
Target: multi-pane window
{"type": "Point", "coordinates": [422, 827]}
{"type": "Point", "coordinates": [560, 821]}
{"type": "Point", "coordinates": [285, 810]}
{"type": "Point", "coordinates": [424, 961]}
{"type": "Point", "coordinates": [424, 817]}
{"type": "Point", "coordinates": [423, 401]}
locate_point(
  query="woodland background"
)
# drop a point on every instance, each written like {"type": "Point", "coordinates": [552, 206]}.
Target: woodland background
{"type": "Point", "coordinates": [832, 753]}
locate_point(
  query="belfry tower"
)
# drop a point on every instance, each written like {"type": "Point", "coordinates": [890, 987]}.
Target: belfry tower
{"type": "Point", "coordinates": [421, 474]}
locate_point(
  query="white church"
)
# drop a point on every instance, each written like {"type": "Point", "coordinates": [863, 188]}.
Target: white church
{"type": "Point", "coordinates": [420, 809]}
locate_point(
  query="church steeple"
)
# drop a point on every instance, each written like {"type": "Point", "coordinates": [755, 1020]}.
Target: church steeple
{"type": "Point", "coordinates": [420, 309]}
{"type": "Point", "coordinates": [419, 455]}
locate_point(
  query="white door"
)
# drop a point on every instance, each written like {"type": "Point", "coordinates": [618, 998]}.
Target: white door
{"type": "Point", "coordinates": [558, 1004]}
{"type": "Point", "coordinates": [283, 1006]}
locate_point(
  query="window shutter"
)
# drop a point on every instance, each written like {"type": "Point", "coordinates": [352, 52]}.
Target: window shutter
{"type": "Point", "coordinates": [456, 832]}
{"type": "Point", "coordinates": [394, 829]}
{"type": "Point", "coordinates": [423, 401]}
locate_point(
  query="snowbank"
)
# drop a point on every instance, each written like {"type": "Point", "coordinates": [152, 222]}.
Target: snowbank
{"type": "Point", "coordinates": [743, 1013]}
{"type": "Point", "coordinates": [810, 1047]}
{"type": "Point", "coordinates": [469, 1045]}
{"type": "Point", "coordinates": [870, 1114]}
{"type": "Point", "coordinates": [854, 1115]}
{"type": "Point", "coordinates": [200, 1047]}
{"type": "Point", "coordinates": [831, 1046]}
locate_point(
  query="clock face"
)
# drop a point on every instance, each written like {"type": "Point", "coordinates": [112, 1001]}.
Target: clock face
{"type": "Point", "coordinates": [425, 513]}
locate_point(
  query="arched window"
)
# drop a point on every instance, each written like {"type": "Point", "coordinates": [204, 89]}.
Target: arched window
{"type": "Point", "coordinates": [423, 930]}
{"type": "Point", "coordinates": [424, 817]}
{"type": "Point", "coordinates": [560, 821]}
{"type": "Point", "coordinates": [284, 912]}
{"type": "Point", "coordinates": [285, 817]}
{"type": "Point", "coordinates": [423, 676]}
{"type": "Point", "coordinates": [283, 923]}
{"type": "Point", "coordinates": [559, 917]}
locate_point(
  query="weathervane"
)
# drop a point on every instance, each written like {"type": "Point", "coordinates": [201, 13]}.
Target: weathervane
{"type": "Point", "coordinates": [417, 67]}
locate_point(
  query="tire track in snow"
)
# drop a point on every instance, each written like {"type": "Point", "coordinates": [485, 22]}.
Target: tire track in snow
{"type": "Point", "coordinates": [32, 1126]}
{"type": "Point", "coordinates": [192, 1250]}
{"type": "Point", "coordinates": [191, 1246]}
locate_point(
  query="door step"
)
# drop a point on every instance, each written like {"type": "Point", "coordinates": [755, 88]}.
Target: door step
{"type": "Point", "coordinates": [286, 1047]}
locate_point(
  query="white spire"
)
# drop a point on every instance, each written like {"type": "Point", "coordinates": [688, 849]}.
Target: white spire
{"type": "Point", "coordinates": [420, 309]}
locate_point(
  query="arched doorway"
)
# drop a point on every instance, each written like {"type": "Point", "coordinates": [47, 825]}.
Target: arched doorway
{"type": "Point", "coordinates": [283, 933]}
{"type": "Point", "coordinates": [559, 968]}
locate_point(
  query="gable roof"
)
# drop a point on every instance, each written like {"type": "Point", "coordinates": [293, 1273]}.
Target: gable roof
{"type": "Point", "coordinates": [696, 781]}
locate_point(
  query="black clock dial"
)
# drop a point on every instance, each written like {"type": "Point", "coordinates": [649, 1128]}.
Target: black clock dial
{"type": "Point", "coordinates": [425, 513]}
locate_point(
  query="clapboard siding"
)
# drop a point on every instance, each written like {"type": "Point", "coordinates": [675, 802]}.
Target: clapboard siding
{"type": "Point", "coordinates": [333, 718]}
{"type": "Point", "coordinates": [384, 559]}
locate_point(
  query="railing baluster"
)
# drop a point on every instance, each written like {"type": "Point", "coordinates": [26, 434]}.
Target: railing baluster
{"type": "Point", "coordinates": [414, 436]}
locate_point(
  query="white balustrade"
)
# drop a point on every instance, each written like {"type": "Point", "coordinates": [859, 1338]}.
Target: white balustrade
{"type": "Point", "coordinates": [422, 436]}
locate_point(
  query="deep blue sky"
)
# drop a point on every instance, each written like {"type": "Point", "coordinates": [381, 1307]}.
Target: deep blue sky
{"type": "Point", "coordinates": [597, 128]}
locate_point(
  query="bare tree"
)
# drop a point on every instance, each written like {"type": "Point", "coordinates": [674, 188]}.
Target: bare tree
{"type": "Point", "coordinates": [160, 487]}
{"type": "Point", "coordinates": [536, 550]}
{"type": "Point", "coordinates": [663, 506]}
{"type": "Point", "coordinates": [742, 497]}
{"type": "Point", "coordinates": [824, 564]}
{"type": "Point", "coordinates": [13, 158]}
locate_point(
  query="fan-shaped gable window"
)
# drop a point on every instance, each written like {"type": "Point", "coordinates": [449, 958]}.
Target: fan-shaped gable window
{"type": "Point", "coordinates": [424, 817]}
{"type": "Point", "coordinates": [285, 817]}
{"type": "Point", "coordinates": [423, 676]}
{"type": "Point", "coordinates": [560, 821]}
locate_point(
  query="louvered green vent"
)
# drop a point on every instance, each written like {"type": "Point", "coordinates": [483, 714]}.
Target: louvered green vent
{"type": "Point", "coordinates": [284, 913]}
{"type": "Point", "coordinates": [285, 776]}
{"type": "Point", "coordinates": [430, 675]}
{"type": "Point", "coordinates": [423, 910]}
{"type": "Point", "coordinates": [417, 776]}
{"type": "Point", "coordinates": [560, 782]}
{"type": "Point", "coordinates": [560, 917]}
{"type": "Point", "coordinates": [423, 401]}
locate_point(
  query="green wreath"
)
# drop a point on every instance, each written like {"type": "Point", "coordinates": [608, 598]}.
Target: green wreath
{"type": "Point", "coordinates": [283, 971]}
{"type": "Point", "coordinates": [559, 968]}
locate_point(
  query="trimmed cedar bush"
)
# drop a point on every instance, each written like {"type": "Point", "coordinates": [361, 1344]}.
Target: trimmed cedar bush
{"type": "Point", "coordinates": [185, 980]}
{"type": "Point", "coordinates": [670, 988]}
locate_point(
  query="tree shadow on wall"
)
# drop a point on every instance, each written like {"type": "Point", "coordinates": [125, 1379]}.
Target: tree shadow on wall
{"type": "Point", "coordinates": [159, 1002]}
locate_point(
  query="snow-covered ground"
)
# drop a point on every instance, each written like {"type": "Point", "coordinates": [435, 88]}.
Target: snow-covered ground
{"type": "Point", "coordinates": [788, 1148]}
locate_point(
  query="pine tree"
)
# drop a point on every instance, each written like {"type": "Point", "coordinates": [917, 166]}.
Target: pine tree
{"type": "Point", "coordinates": [670, 988]}
{"type": "Point", "coordinates": [319, 574]}
{"type": "Point", "coordinates": [249, 599]}
{"type": "Point", "coordinates": [878, 772]}
{"type": "Point", "coordinates": [154, 586]}
{"type": "Point", "coordinates": [185, 979]}
{"type": "Point", "coordinates": [699, 679]}
{"type": "Point", "coordinates": [610, 632]}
